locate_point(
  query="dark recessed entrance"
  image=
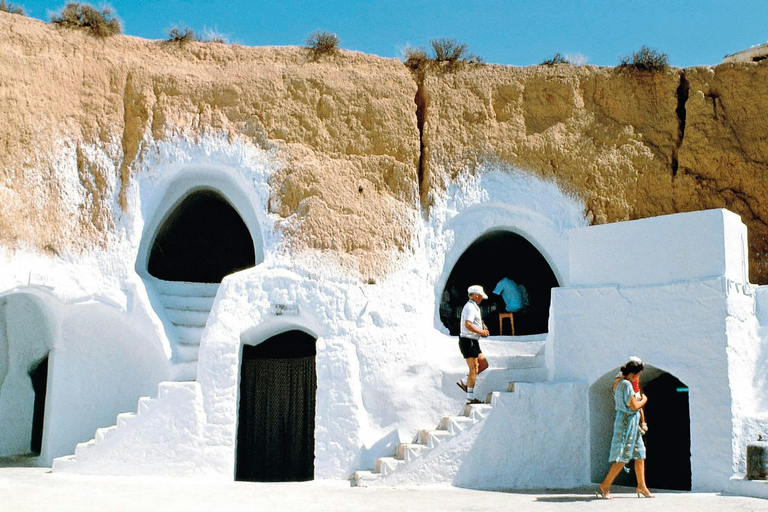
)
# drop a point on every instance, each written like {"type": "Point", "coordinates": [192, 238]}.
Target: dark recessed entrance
{"type": "Point", "coordinates": [276, 421]}
{"type": "Point", "coordinates": [668, 440]}
{"type": "Point", "coordinates": [203, 240]}
{"type": "Point", "coordinates": [38, 373]}
{"type": "Point", "coordinates": [492, 257]}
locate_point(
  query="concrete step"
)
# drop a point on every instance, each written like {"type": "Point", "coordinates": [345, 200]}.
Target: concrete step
{"type": "Point", "coordinates": [182, 303]}
{"type": "Point", "coordinates": [410, 451]}
{"type": "Point", "coordinates": [387, 465]}
{"type": "Point", "coordinates": [104, 433]}
{"type": "Point", "coordinates": [433, 438]}
{"type": "Point", "coordinates": [145, 404]}
{"type": "Point", "coordinates": [186, 289]}
{"type": "Point", "coordinates": [189, 335]}
{"type": "Point", "coordinates": [187, 317]}
{"type": "Point", "coordinates": [477, 412]}
{"type": "Point", "coordinates": [186, 353]}
{"type": "Point", "coordinates": [63, 463]}
{"type": "Point", "coordinates": [365, 478]}
{"type": "Point", "coordinates": [181, 371]}
{"type": "Point", "coordinates": [455, 424]}
{"type": "Point", "coordinates": [126, 418]}
{"type": "Point", "coordinates": [82, 450]}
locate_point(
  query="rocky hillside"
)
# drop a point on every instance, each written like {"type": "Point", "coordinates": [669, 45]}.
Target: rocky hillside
{"type": "Point", "coordinates": [364, 141]}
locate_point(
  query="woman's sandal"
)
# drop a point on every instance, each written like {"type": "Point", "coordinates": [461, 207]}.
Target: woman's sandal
{"type": "Point", "coordinates": [603, 496]}
{"type": "Point", "coordinates": [646, 494]}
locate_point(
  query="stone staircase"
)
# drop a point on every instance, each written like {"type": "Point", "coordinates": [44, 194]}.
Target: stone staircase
{"type": "Point", "coordinates": [185, 308]}
{"type": "Point", "coordinates": [122, 443]}
{"type": "Point", "coordinates": [513, 359]}
{"type": "Point", "coordinates": [427, 440]}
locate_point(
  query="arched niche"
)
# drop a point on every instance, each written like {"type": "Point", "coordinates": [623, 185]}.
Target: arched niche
{"type": "Point", "coordinates": [496, 255]}
{"type": "Point", "coordinates": [668, 441]}
{"type": "Point", "coordinates": [202, 240]}
{"type": "Point", "coordinates": [276, 408]}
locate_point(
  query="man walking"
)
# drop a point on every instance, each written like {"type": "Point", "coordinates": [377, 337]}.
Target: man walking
{"type": "Point", "coordinates": [472, 329]}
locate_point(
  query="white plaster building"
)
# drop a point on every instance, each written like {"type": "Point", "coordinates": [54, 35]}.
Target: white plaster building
{"type": "Point", "coordinates": [368, 368]}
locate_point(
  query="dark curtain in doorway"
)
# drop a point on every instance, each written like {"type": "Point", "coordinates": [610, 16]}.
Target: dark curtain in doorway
{"type": "Point", "coordinates": [276, 430]}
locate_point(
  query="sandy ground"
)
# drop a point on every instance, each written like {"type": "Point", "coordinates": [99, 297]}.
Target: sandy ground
{"type": "Point", "coordinates": [37, 489]}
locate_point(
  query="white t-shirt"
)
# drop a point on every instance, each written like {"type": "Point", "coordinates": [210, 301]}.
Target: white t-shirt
{"type": "Point", "coordinates": [472, 313]}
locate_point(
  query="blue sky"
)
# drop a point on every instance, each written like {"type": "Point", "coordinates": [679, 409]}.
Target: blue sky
{"type": "Point", "coordinates": [514, 32]}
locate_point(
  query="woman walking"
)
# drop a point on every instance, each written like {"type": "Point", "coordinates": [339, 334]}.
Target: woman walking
{"type": "Point", "coordinates": [627, 441]}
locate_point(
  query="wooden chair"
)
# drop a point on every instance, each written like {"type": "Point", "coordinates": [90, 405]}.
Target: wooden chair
{"type": "Point", "coordinates": [502, 316]}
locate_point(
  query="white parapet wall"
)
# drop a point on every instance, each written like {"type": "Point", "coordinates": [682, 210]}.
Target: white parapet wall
{"type": "Point", "coordinates": [660, 250]}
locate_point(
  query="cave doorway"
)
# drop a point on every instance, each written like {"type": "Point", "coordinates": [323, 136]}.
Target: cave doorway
{"type": "Point", "coordinates": [492, 257]}
{"type": "Point", "coordinates": [668, 441]}
{"type": "Point", "coordinates": [201, 241]}
{"type": "Point", "coordinates": [38, 374]}
{"type": "Point", "coordinates": [276, 418]}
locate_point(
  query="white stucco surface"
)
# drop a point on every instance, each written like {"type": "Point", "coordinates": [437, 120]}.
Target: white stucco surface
{"type": "Point", "coordinates": [671, 290]}
{"type": "Point", "coordinates": [659, 250]}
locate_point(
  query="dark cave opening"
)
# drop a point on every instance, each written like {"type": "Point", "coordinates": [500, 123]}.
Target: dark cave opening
{"type": "Point", "coordinates": [492, 257]}
{"type": "Point", "coordinates": [201, 241]}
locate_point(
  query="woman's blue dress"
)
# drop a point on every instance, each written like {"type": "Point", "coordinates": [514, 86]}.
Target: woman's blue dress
{"type": "Point", "coordinates": [627, 442]}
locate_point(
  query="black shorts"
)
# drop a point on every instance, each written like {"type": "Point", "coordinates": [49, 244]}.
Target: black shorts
{"type": "Point", "coordinates": [469, 347]}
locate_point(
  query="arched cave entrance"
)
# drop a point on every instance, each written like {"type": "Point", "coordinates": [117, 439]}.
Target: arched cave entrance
{"type": "Point", "coordinates": [668, 441]}
{"type": "Point", "coordinates": [25, 344]}
{"type": "Point", "coordinates": [496, 255]}
{"type": "Point", "coordinates": [201, 241]}
{"type": "Point", "coordinates": [276, 419]}
{"type": "Point", "coordinates": [38, 374]}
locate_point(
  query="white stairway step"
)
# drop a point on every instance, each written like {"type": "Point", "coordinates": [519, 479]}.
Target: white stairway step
{"type": "Point", "coordinates": [387, 465]}
{"type": "Point", "coordinates": [433, 438]}
{"type": "Point", "coordinates": [182, 371]}
{"type": "Point", "coordinates": [455, 424]}
{"type": "Point", "coordinates": [477, 412]}
{"type": "Point", "coordinates": [125, 418]}
{"type": "Point", "coordinates": [187, 303]}
{"type": "Point", "coordinates": [104, 433]}
{"type": "Point", "coordinates": [186, 353]}
{"type": "Point", "coordinates": [189, 335]}
{"type": "Point", "coordinates": [82, 449]}
{"type": "Point", "coordinates": [366, 478]}
{"type": "Point", "coordinates": [188, 317]}
{"type": "Point", "coordinates": [186, 289]}
{"type": "Point", "coordinates": [410, 451]}
{"type": "Point", "coordinates": [145, 403]}
{"type": "Point", "coordinates": [62, 463]}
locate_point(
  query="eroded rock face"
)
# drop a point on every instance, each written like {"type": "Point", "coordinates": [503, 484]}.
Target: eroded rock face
{"type": "Point", "coordinates": [365, 143]}
{"type": "Point", "coordinates": [632, 145]}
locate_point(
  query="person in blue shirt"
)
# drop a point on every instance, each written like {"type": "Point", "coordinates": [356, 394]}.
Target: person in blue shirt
{"type": "Point", "coordinates": [514, 295]}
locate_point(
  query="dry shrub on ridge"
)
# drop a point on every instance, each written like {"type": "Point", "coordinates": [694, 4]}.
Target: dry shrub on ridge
{"type": "Point", "coordinates": [85, 16]}
{"type": "Point", "coordinates": [11, 8]}
{"type": "Point", "coordinates": [321, 42]}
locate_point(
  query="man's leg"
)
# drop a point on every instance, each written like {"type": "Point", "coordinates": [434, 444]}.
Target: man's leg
{"type": "Point", "coordinates": [482, 363]}
{"type": "Point", "coordinates": [472, 365]}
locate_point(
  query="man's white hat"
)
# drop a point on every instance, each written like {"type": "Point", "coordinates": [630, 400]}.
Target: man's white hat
{"type": "Point", "coordinates": [476, 288]}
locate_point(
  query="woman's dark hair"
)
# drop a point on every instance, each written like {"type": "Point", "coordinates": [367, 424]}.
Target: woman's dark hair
{"type": "Point", "coordinates": [632, 367]}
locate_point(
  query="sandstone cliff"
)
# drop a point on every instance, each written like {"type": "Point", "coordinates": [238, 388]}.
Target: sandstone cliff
{"type": "Point", "coordinates": [365, 142]}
